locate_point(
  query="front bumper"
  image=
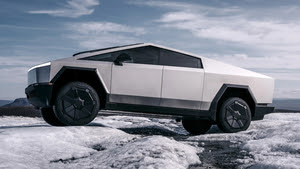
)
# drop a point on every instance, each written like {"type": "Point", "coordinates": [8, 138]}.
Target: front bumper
{"type": "Point", "coordinates": [39, 94]}
{"type": "Point", "coordinates": [261, 111]}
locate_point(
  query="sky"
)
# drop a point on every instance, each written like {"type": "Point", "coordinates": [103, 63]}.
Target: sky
{"type": "Point", "coordinates": [262, 36]}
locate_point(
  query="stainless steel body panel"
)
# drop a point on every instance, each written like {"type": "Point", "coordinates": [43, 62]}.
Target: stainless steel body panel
{"type": "Point", "coordinates": [217, 74]}
{"type": "Point", "coordinates": [103, 69]}
{"type": "Point", "coordinates": [136, 80]}
{"type": "Point", "coordinates": [182, 87]}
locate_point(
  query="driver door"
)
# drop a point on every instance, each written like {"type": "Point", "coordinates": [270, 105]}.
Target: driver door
{"type": "Point", "coordinates": [137, 81]}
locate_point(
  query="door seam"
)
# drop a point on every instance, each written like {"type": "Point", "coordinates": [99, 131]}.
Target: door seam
{"type": "Point", "coordinates": [161, 87]}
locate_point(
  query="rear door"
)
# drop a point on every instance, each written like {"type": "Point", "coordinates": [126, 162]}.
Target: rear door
{"type": "Point", "coordinates": [139, 81]}
{"type": "Point", "coordinates": [182, 83]}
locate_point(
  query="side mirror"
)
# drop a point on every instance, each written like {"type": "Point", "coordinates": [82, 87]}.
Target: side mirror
{"type": "Point", "coordinates": [123, 57]}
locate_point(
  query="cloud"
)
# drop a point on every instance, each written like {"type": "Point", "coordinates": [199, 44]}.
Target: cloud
{"type": "Point", "coordinates": [272, 34]}
{"type": "Point", "coordinates": [13, 75]}
{"type": "Point", "coordinates": [72, 9]}
{"type": "Point", "coordinates": [287, 93]}
{"type": "Point", "coordinates": [267, 35]}
{"type": "Point", "coordinates": [163, 4]}
{"type": "Point", "coordinates": [263, 37]}
{"type": "Point", "coordinates": [88, 28]}
{"type": "Point", "coordinates": [13, 81]}
{"type": "Point", "coordinates": [24, 61]}
{"type": "Point", "coordinates": [14, 69]}
{"type": "Point", "coordinates": [102, 34]}
{"type": "Point", "coordinates": [22, 27]}
{"type": "Point", "coordinates": [267, 62]}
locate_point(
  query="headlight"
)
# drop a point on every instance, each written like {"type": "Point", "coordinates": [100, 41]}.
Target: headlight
{"type": "Point", "coordinates": [39, 73]}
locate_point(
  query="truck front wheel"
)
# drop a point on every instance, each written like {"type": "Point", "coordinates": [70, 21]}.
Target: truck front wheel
{"type": "Point", "coordinates": [77, 103]}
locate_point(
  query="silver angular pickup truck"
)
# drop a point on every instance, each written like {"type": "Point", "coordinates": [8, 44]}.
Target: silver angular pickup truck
{"type": "Point", "coordinates": [149, 78]}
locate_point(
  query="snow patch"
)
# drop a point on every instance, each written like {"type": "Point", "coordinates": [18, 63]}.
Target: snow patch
{"type": "Point", "coordinates": [277, 142]}
{"type": "Point", "coordinates": [35, 147]}
{"type": "Point", "coordinates": [273, 142]}
{"type": "Point", "coordinates": [147, 152]}
{"type": "Point", "coordinates": [13, 121]}
{"type": "Point", "coordinates": [31, 143]}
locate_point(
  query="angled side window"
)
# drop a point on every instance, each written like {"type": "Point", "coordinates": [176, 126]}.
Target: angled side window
{"type": "Point", "coordinates": [142, 55]}
{"type": "Point", "coordinates": [171, 58]}
{"type": "Point", "coordinates": [109, 57]}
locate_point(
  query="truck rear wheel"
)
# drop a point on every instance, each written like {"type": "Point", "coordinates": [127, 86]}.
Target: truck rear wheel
{"type": "Point", "coordinates": [77, 103]}
{"type": "Point", "coordinates": [196, 127]}
{"type": "Point", "coordinates": [234, 115]}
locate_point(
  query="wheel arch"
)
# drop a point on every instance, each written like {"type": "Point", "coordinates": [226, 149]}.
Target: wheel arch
{"type": "Point", "coordinates": [232, 90]}
{"type": "Point", "coordinates": [86, 75]}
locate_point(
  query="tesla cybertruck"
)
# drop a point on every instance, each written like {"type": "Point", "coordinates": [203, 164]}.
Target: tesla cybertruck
{"type": "Point", "coordinates": [149, 78]}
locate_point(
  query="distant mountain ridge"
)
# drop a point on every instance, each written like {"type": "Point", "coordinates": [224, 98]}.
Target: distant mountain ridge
{"type": "Point", "coordinates": [4, 102]}
{"type": "Point", "coordinates": [19, 107]}
{"type": "Point", "coordinates": [20, 102]}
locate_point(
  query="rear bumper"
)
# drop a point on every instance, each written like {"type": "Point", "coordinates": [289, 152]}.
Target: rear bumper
{"type": "Point", "coordinates": [39, 94]}
{"type": "Point", "coordinates": [261, 111]}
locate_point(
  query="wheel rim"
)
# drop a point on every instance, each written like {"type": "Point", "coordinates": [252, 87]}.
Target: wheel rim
{"type": "Point", "coordinates": [78, 103]}
{"type": "Point", "coordinates": [237, 115]}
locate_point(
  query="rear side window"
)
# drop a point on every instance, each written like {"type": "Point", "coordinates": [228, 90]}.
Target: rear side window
{"type": "Point", "coordinates": [170, 58]}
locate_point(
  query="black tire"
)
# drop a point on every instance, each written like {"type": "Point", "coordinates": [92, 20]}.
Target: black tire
{"type": "Point", "coordinates": [234, 115]}
{"type": "Point", "coordinates": [196, 127]}
{"type": "Point", "coordinates": [49, 117]}
{"type": "Point", "coordinates": [76, 104]}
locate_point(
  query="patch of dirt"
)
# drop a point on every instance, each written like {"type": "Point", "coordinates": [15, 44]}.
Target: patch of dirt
{"type": "Point", "coordinates": [98, 147]}
{"type": "Point", "coordinates": [222, 154]}
{"type": "Point", "coordinates": [149, 131]}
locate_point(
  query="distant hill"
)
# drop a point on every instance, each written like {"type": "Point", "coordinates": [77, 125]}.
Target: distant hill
{"type": "Point", "coordinates": [18, 103]}
{"type": "Point", "coordinates": [19, 107]}
{"type": "Point", "coordinates": [286, 105]}
{"type": "Point", "coordinates": [4, 102]}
